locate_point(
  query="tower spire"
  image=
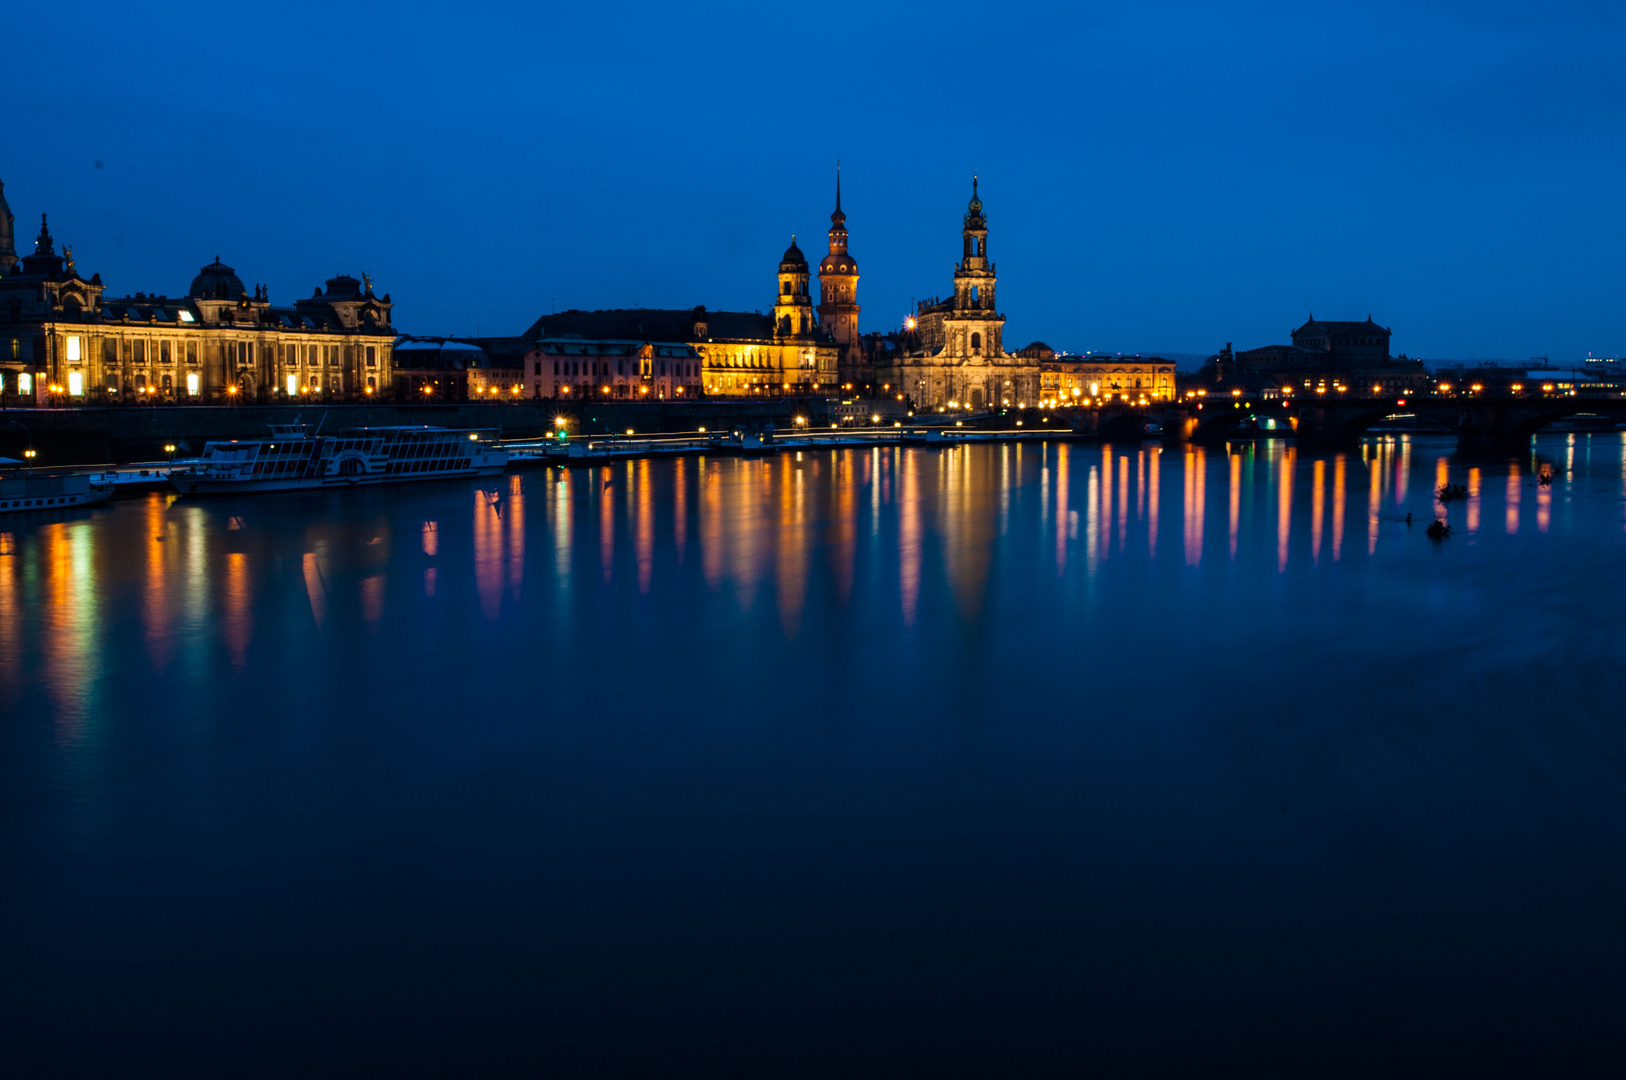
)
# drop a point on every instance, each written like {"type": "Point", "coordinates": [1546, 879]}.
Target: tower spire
{"type": "Point", "coordinates": [838, 289]}
{"type": "Point", "coordinates": [837, 219]}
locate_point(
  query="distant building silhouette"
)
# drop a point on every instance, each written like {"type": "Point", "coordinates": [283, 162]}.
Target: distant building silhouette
{"type": "Point", "coordinates": [1325, 357]}
{"type": "Point", "coordinates": [8, 235]}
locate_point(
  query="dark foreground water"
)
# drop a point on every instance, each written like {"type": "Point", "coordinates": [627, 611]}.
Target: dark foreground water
{"type": "Point", "coordinates": [997, 760]}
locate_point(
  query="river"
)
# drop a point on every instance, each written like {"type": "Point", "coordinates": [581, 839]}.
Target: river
{"type": "Point", "coordinates": [1015, 759]}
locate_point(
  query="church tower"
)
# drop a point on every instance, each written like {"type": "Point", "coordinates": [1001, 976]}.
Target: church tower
{"type": "Point", "coordinates": [8, 236]}
{"type": "Point", "coordinates": [977, 323]}
{"type": "Point", "coordinates": [793, 307]}
{"type": "Point", "coordinates": [838, 289]}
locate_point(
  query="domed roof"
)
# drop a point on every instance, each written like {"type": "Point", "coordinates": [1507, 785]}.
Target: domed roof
{"type": "Point", "coordinates": [834, 263]}
{"type": "Point", "coordinates": [343, 285]}
{"type": "Point", "coordinates": [793, 256]}
{"type": "Point", "coordinates": [217, 280]}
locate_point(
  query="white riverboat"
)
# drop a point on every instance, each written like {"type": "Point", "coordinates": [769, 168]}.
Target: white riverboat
{"type": "Point", "coordinates": [29, 493]}
{"type": "Point", "coordinates": [293, 459]}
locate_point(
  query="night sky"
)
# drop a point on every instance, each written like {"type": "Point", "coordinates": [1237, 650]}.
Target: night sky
{"type": "Point", "coordinates": [1158, 176]}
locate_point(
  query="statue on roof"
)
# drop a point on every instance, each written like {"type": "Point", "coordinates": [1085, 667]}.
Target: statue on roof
{"type": "Point", "coordinates": [367, 283]}
{"type": "Point", "coordinates": [67, 251]}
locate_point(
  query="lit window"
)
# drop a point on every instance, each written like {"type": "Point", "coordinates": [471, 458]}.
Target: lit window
{"type": "Point", "coordinates": [186, 316]}
{"type": "Point", "coordinates": [76, 381]}
{"type": "Point", "coordinates": [293, 385]}
{"type": "Point", "coordinates": [192, 383]}
{"type": "Point", "coordinates": [25, 383]}
{"type": "Point", "coordinates": [73, 350]}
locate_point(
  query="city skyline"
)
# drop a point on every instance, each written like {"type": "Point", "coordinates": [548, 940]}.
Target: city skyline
{"type": "Point", "coordinates": [1184, 179]}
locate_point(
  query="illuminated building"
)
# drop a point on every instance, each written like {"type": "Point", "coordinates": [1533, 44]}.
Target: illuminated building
{"type": "Point", "coordinates": [838, 294]}
{"type": "Point", "coordinates": [62, 340]}
{"type": "Point", "coordinates": [951, 355]}
{"type": "Point", "coordinates": [793, 349]}
{"type": "Point", "coordinates": [623, 369]}
{"type": "Point", "coordinates": [1065, 379]}
{"type": "Point", "coordinates": [694, 351]}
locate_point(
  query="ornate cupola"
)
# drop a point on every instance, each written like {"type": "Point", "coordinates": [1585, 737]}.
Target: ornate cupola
{"type": "Point", "coordinates": [838, 287]}
{"type": "Point", "coordinates": [793, 307]}
{"type": "Point", "coordinates": [975, 232]}
{"type": "Point", "coordinates": [45, 262]}
{"type": "Point", "coordinates": [217, 281]}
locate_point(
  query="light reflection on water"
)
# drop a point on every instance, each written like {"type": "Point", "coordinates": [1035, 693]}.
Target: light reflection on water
{"type": "Point", "coordinates": [748, 676]}
{"type": "Point", "coordinates": [756, 521]}
{"type": "Point", "coordinates": [950, 513]}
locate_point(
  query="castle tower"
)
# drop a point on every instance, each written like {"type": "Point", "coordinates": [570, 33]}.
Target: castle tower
{"type": "Point", "coordinates": [838, 289]}
{"type": "Point", "coordinates": [793, 307]}
{"type": "Point", "coordinates": [8, 236]}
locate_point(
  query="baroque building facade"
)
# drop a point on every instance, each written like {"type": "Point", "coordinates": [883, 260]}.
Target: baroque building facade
{"type": "Point", "coordinates": [951, 354]}
{"type": "Point", "coordinates": [658, 354]}
{"type": "Point", "coordinates": [63, 340]}
{"type": "Point", "coordinates": [1070, 380]}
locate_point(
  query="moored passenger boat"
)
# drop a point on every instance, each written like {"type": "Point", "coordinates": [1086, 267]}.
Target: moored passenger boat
{"type": "Point", "coordinates": [292, 459]}
{"type": "Point", "coordinates": [19, 493]}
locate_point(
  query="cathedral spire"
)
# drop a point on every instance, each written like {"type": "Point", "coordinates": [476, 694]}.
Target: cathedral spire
{"type": "Point", "coordinates": [43, 245]}
{"type": "Point", "coordinates": [837, 219]}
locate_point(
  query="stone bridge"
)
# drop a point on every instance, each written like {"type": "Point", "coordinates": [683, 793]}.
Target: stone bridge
{"type": "Point", "coordinates": [1475, 420]}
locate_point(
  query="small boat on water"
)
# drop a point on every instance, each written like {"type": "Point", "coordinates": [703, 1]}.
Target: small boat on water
{"type": "Point", "coordinates": [1259, 428]}
{"type": "Point", "coordinates": [24, 493]}
{"type": "Point", "coordinates": [293, 459]}
{"type": "Point", "coordinates": [1582, 422]}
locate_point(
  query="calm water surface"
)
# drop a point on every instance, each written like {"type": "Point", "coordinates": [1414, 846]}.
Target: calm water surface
{"type": "Point", "coordinates": [993, 760]}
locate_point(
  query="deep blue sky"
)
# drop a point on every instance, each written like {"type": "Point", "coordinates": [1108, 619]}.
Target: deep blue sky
{"type": "Point", "coordinates": [1158, 175]}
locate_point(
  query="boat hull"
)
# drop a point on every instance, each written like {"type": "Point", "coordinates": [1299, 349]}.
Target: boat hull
{"type": "Point", "coordinates": [204, 485]}
{"type": "Point", "coordinates": [54, 502]}
{"type": "Point", "coordinates": [27, 494]}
